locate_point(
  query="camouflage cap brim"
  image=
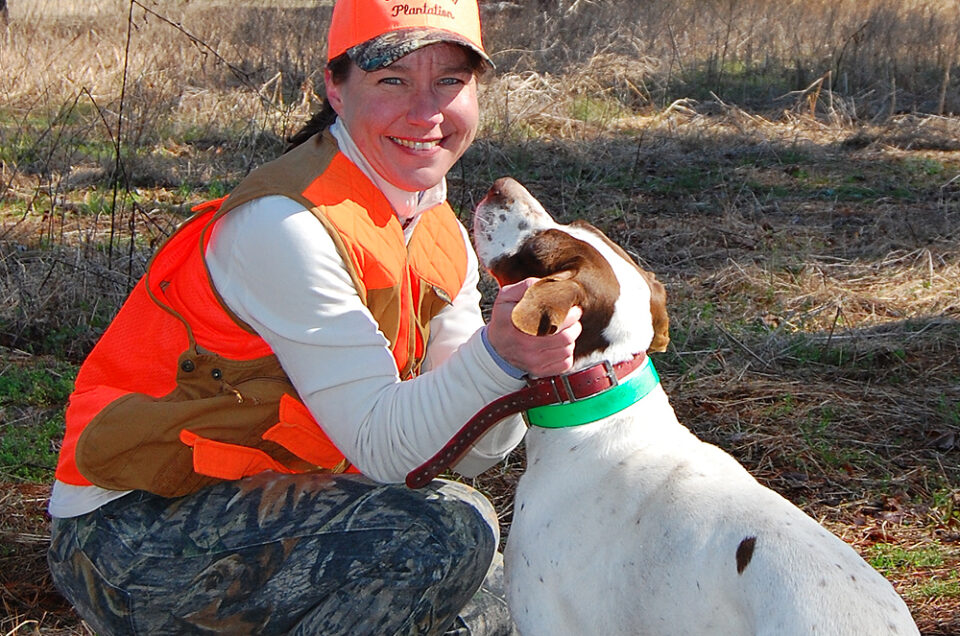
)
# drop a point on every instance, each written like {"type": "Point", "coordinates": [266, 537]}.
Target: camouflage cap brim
{"type": "Point", "coordinates": [385, 49]}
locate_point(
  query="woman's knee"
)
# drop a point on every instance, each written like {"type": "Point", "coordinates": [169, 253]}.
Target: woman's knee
{"type": "Point", "coordinates": [106, 607]}
{"type": "Point", "coordinates": [472, 510]}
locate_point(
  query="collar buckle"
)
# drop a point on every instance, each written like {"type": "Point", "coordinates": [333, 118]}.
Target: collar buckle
{"type": "Point", "coordinates": [560, 387]}
{"type": "Point", "coordinates": [571, 396]}
{"type": "Point", "coordinates": [611, 373]}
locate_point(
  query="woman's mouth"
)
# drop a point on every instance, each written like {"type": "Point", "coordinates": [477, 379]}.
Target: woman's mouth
{"type": "Point", "coordinates": [415, 144]}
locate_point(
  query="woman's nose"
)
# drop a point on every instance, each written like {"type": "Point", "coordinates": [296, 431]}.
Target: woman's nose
{"type": "Point", "coordinates": [424, 109]}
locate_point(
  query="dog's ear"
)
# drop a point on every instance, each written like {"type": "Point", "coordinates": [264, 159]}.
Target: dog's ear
{"type": "Point", "coordinates": [546, 304]}
{"type": "Point", "coordinates": [658, 310]}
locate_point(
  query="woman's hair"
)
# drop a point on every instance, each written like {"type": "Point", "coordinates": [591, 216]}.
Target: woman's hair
{"type": "Point", "coordinates": [340, 68]}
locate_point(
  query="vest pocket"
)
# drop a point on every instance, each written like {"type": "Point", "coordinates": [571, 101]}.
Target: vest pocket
{"type": "Point", "coordinates": [140, 442]}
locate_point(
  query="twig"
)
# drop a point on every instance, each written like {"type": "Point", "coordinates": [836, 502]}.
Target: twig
{"type": "Point", "coordinates": [117, 139]}
{"type": "Point", "coordinates": [833, 326]}
{"type": "Point", "coordinates": [23, 624]}
{"type": "Point", "coordinates": [238, 72]}
{"type": "Point", "coordinates": [741, 345]}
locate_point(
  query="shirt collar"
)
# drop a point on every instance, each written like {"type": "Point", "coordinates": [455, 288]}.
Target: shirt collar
{"type": "Point", "coordinates": [407, 205]}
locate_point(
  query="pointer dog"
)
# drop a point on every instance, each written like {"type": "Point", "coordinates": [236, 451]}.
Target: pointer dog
{"type": "Point", "coordinates": [628, 524]}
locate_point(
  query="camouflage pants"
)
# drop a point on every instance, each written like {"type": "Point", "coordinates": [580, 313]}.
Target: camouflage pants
{"type": "Point", "coordinates": [277, 554]}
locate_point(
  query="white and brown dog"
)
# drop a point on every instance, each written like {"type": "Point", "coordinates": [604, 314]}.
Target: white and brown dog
{"type": "Point", "coordinates": [629, 524]}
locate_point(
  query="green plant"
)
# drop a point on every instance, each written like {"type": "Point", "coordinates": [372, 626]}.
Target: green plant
{"type": "Point", "coordinates": [949, 410]}
{"type": "Point", "coordinates": [45, 384]}
{"type": "Point", "coordinates": [596, 110]}
{"type": "Point", "coordinates": [33, 394]}
{"type": "Point", "coordinates": [924, 166]}
{"type": "Point", "coordinates": [937, 588]}
{"type": "Point", "coordinates": [28, 450]}
{"type": "Point", "coordinates": [888, 557]}
{"type": "Point", "coordinates": [944, 505]}
{"type": "Point", "coordinates": [217, 189]}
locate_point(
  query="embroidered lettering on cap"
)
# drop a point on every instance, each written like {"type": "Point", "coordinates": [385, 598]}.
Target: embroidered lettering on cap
{"type": "Point", "coordinates": [436, 10]}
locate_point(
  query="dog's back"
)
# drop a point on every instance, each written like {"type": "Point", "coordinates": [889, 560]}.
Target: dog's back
{"type": "Point", "coordinates": [665, 534]}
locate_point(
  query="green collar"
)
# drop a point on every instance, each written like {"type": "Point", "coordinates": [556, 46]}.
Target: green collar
{"type": "Point", "coordinates": [598, 406]}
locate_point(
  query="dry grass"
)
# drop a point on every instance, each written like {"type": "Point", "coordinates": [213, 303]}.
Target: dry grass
{"type": "Point", "coordinates": [27, 597]}
{"type": "Point", "coordinates": [808, 239]}
{"type": "Point", "coordinates": [881, 55]}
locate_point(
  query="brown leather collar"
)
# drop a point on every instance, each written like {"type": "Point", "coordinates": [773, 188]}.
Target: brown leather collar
{"type": "Point", "coordinates": [555, 389]}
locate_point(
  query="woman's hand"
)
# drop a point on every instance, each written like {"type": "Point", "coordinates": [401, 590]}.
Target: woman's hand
{"type": "Point", "coordinates": [537, 355]}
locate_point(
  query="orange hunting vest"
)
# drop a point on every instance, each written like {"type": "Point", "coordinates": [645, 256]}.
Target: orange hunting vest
{"type": "Point", "coordinates": [180, 393]}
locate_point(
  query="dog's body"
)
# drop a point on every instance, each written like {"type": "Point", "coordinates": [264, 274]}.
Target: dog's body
{"type": "Point", "coordinates": [630, 524]}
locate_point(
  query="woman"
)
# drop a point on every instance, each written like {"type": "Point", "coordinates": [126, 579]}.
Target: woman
{"type": "Point", "coordinates": [236, 440]}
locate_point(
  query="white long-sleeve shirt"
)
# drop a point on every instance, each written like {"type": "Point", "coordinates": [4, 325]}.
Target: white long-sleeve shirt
{"type": "Point", "coordinates": [277, 268]}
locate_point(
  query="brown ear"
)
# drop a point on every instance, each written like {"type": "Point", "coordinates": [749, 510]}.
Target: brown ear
{"type": "Point", "coordinates": [658, 294]}
{"type": "Point", "coordinates": [546, 304]}
{"type": "Point", "coordinates": [658, 310]}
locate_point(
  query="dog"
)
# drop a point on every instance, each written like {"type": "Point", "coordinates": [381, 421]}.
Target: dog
{"type": "Point", "coordinates": [630, 524]}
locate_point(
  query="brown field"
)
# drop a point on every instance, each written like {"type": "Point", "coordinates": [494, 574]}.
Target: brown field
{"type": "Point", "coordinates": [790, 170]}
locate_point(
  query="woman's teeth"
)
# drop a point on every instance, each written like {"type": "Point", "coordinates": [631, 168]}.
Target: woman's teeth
{"type": "Point", "coordinates": [416, 145]}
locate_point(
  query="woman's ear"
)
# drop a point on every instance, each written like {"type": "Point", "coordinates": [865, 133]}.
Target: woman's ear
{"type": "Point", "coordinates": [332, 91]}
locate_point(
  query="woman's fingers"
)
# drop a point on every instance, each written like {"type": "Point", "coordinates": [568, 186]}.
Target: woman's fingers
{"type": "Point", "coordinates": [537, 355]}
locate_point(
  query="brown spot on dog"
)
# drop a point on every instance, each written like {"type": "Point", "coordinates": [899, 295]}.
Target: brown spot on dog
{"type": "Point", "coordinates": [745, 553]}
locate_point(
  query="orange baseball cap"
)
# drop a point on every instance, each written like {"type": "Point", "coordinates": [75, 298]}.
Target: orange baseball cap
{"type": "Point", "coordinates": [377, 33]}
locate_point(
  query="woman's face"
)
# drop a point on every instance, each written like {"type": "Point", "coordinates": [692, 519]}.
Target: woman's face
{"type": "Point", "coordinates": [413, 119]}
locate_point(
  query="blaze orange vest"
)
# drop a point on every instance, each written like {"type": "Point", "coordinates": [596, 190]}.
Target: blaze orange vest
{"type": "Point", "coordinates": [180, 393]}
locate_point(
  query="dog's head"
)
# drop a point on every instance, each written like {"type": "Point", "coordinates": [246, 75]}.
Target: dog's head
{"type": "Point", "coordinates": [624, 307]}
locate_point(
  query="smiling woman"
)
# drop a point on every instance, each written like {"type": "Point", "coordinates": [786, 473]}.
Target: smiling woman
{"type": "Point", "coordinates": [413, 119]}
{"type": "Point", "coordinates": [294, 350]}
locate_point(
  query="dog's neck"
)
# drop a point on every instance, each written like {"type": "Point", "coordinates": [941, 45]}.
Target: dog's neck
{"type": "Point", "coordinates": [648, 422]}
{"type": "Point", "coordinates": [622, 394]}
